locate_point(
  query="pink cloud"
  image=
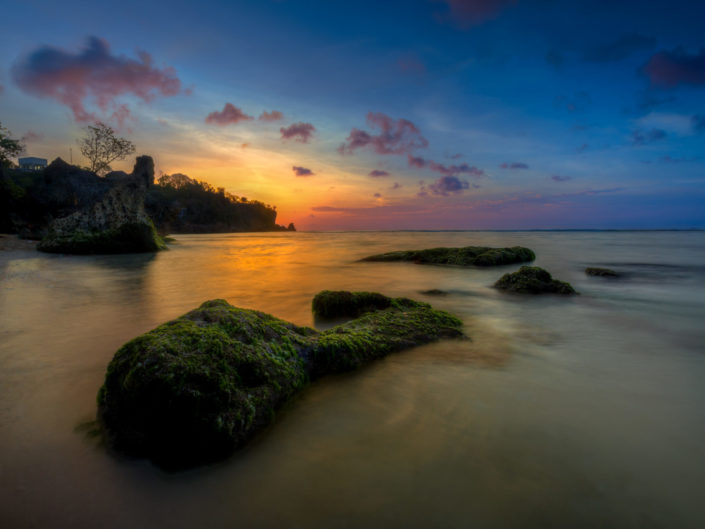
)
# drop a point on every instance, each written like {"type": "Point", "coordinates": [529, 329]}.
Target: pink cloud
{"type": "Point", "coordinates": [378, 174]}
{"type": "Point", "coordinates": [274, 115]}
{"type": "Point", "coordinates": [448, 185]}
{"type": "Point", "coordinates": [671, 68]}
{"type": "Point", "coordinates": [399, 136]}
{"type": "Point", "coordinates": [468, 13]}
{"type": "Point", "coordinates": [301, 132]}
{"type": "Point", "coordinates": [302, 171]}
{"type": "Point", "coordinates": [228, 116]}
{"type": "Point", "coordinates": [94, 75]}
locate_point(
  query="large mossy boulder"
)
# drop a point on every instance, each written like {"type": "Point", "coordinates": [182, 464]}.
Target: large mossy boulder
{"type": "Point", "coordinates": [533, 280]}
{"type": "Point", "coordinates": [117, 223]}
{"type": "Point", "coordinates": [467, 256]}
{"type": "Point", "coordinates": [197, 387]}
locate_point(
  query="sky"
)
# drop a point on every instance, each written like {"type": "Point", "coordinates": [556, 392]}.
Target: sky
{"type": "Point", "coordinates": [418, 114]}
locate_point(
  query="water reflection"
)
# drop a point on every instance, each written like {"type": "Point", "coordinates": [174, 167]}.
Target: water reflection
{"type": "Point", "coordinates": [568, 413]}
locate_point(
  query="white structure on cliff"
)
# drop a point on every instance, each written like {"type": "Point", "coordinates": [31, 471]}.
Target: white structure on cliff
{"type": "Point", "coordinates": [30, 163]}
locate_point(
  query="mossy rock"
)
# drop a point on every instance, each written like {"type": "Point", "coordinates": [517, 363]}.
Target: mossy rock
{"type": "Point", "coordinates": [467, 256]}
{"type": "Point", "coordinates": [600, 272]}
{"type": "Point", "coordinates": [132, 237]}
{"type": "Point", "coordinates": [533, 280]}
{"type": "Point", "coordinates": [197, 387]}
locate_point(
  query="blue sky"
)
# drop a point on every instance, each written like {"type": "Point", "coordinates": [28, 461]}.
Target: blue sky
{"type": "Point", "coordinates": [519, 114]}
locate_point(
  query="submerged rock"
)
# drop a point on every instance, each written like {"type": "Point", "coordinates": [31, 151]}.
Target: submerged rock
{"type": "Point", "coordinates": [533, 280]}
{"type": "Point", "coordinates": [197, 387]}
{"type": "Point", "coordinates": [601, 272]}
{"type": "Point", "coordinates": [117, 223]}
{"type": "Point", "coordinates": [434, 292]}
{"type": "Point", "coordinates": [467, 256]}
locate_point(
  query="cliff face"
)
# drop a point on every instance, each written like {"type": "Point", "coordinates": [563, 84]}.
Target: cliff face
{"type": "Point", "coordinates": [114, 223]}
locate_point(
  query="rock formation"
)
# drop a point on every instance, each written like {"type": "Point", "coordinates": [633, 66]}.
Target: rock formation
{"type": "Point", "coordinates": [114, 223]}
{"type": "Point", "coordinates": [467, 256]}
{"type": "Point", "coordinates": [533, 280]}
{"type": "Point", "coordinates": [195, 388]}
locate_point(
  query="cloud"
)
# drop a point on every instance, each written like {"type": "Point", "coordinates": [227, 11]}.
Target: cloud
{"type": "Point", "coordinates": [31, 136]}
{"type": "Point", "coordinates": [2, 89]}
{"type": "Point", "coordinates": [228, 116]}
{"type": "Point", "coordinates": [467, 13]}
{"type": "Point", "coordinates": [399, 136]}
{"type": "Point", "coordinates": [584, 147]}
{"type": "Point", "coordinates": [641, 137]}
{"type": "Point", "coordinates": [274, 115]}
{"type": "Point", "coordinates": [578, 102]}
{"type": "Point", "coordinates": [377, 195]}
{"type": "Point", "coordinates": [445, 170]}
{"type": "Point", "coordinates": [620, 48]}
{"type": "Point", "coordinates": [560, 178]}
{"type": "Point", "coordinates": [300, 132]}
{"type": "Point", "coordinates": [93, 74]}
{"type": "Point", "coordinates": [244, 145]}
{"type": "Point", "coordinates": [514, 165]}
{"type": "Point", "coordinates": [698, 122]}
{"type": "Point", "coordinates": [669, 69]}
{"type": "Point", "coordinates": [396, 185]}
{"type": "Point", "coordinates": [378, 174]}
{"type": "Point", "coordinates": [302, 171]}
{"type": "Point", "coordinates": [448, 185]}
{"type": "Point", "coordinates": [411, 64]}
{"type": "Point", "coordinates": [555, 58]}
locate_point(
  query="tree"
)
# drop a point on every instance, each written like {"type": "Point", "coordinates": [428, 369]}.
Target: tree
{"type": "Point", "coordinates": [102, 147]}
{"type": "Point", "coordinates": [9, 148]}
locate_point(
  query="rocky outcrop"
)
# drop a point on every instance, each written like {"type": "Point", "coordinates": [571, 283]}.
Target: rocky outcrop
{"type": "Point", "coordinates": [116, 223]}
{"type": "Point", "coordinates": [195, 388]}
{"type": "Point", "coordinates": [600, 272]}
{"type": "Point", "coordinates": [533, 280]}
{"type": "Point", "coordinates": [467, 256]}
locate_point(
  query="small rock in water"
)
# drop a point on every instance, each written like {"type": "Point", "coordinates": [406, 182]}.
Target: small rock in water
{"type": "Point", "coordinates": [600, 272]}
{"type": "Point", "coordinates": [533, 280]}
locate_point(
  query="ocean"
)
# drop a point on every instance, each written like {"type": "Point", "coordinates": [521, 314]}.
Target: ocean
{"type": "Point", "coordinates": [583, 411]}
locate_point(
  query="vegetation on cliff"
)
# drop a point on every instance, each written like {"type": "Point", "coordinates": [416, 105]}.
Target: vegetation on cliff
{"type": "Point", "coordinates": [195, 388]}
{"type": "Point", "coordinates": [467, 256]}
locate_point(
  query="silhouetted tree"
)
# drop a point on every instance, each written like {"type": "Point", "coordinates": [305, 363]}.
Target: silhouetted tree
{"type": "Point", "coordinates": [9, 147]}
{"type": "Point", "coordinates": [102, 147]}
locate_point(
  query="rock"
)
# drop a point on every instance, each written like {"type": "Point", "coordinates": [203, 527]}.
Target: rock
{"type": "Point", "coordinates": [467, 256]}
{"type": "Point", "coordinates": [601, 272]}
{"type": "Point", "coordinates": [434, 292]}
{"type": "Point", "coordinates": [533, 280]}
{"type": "Point", "coordinates": [291, 227]}
{"type": "Point", "coordinates": [195, 388]}
{"type": "Point", "coordinates": [343, 304]}
{"type": "Point", "coordinates": [117, 223]}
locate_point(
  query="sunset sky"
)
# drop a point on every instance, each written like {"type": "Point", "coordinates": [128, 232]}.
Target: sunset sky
{"type": "Point", "coordinates": [427, 114]}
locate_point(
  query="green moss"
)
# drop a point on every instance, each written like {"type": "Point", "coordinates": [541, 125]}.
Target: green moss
{"type": "Point", "coordinates": [467, 256]}
{"type": "Point", "coordinates": [601, 272]}
{"type": "Point", "coordinates": [135, 237]}
{"type": "Point", "coordinates": [197, 387]}
{"type": "Point", "coordinates": [533, 280]}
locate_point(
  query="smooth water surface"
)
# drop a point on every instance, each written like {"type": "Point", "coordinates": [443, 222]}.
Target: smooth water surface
{"type": "Point", "coordinates": [560, 412]}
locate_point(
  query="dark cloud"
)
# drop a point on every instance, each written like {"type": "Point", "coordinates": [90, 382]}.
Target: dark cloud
{"type": "Point", "coordinates": [584, 147]}
{"type": "Point", "coordinates": [302, 171]}
{"type": "Point", "coordinates": [698, 122]}
{"type": "Point", "coordinates": [578, 102]}
{"type": "Point", "coordinates": [93, 73]}
{"type": "Point", "coordinates": [620, 48]}
{"type": "Point", "coordinates": [559, 178]}
{"type": "Point", "coordinates": [396, 185]}
{"type": "Point", "coordinates": [555, 58]}
{"type": "Point", "coordinates": [378, 174]}
{"type": "Point", "coordinates": [647, 101]}
{"type": "Point", "coordinates": [300, 132]}
{"type": "Point", "coordinates": [399, 136]}
{"type": "Point", "coordinates": [455, 156]}
{"type": "Point", "coordinates": [2, 89]}
{"type": "Point", "coordinates": [228, 116]}
{"type": "Point", "coordinates": [669, 69]}
{"type": "Point", "coordinates": [274, 115]}
{"type": "Point", "coordinates": [378, 195]}
{"type": "Point", "coordinates": [643, 137]}
{"type": "Point", "coordinates": [514, 165]}
{"type": "Point", "coordinates": [467, 13]}
{"type": "Point", "coordinates": [669, 159]}
{"type": "Point", "coordinates": [448, 185]}
{"type": "Point", "coordinates": [445, 170]}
